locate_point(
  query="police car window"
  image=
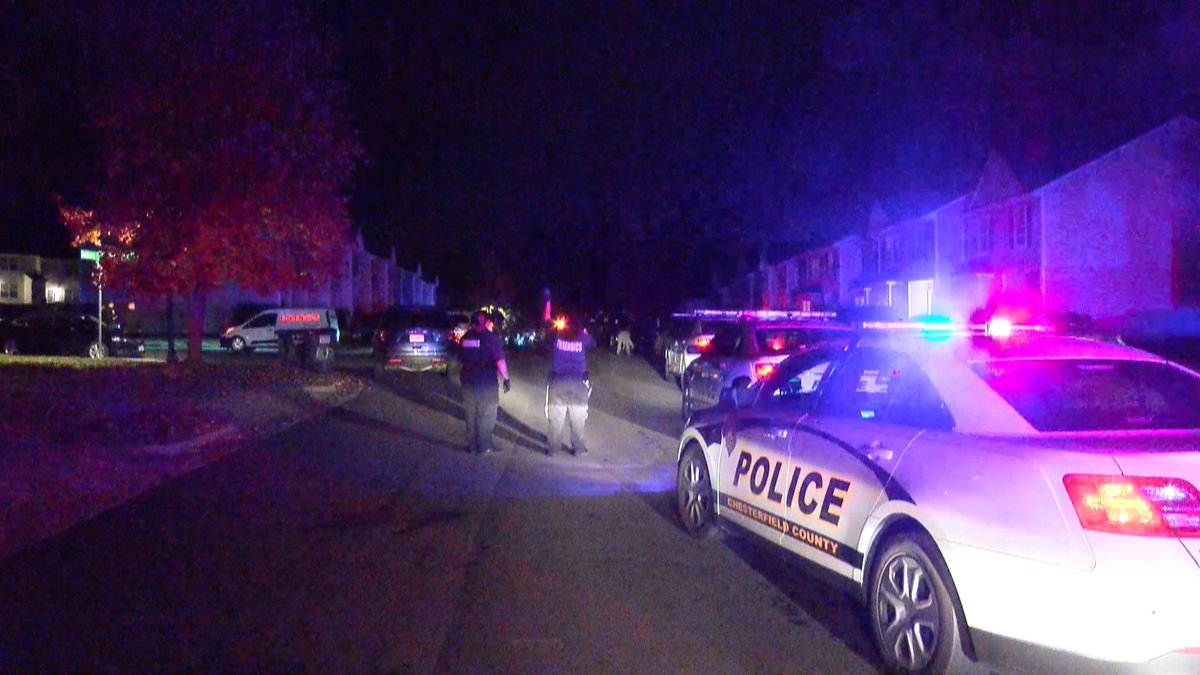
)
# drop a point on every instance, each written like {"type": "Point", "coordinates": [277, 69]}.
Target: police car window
{"type": "Point", "coordinates": [727, 339]}
{"type": "Point", "coordinates": [1096, 395]}
{"type": "Point", "coordinates": [914, 401]}
{"type": "Point", "coordinates": [880, 386]}
{"type": "Point", "coordinates": [858, 388]}
{"type": "Point", "coordinates": [797, 380]}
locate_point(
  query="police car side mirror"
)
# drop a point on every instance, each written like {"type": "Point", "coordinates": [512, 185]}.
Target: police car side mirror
{"type": "Point", "coordinates": [739, 391]}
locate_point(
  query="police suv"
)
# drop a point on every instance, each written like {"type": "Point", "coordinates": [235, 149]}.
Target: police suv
{"type": "Point", "coordinates": [982, 488]}
{"type": "Point", "coordinates": [751, 344]}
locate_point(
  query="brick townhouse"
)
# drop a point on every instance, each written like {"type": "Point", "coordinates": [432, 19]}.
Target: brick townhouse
{"type": "Point", "coordinates": [1117, 235]}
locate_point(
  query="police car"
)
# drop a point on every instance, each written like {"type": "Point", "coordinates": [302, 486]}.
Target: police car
{"type": "Point", "coordinates": [691, 333]}
{"type": "Point", "coordinates": [980, 487]}
{"type": "Point", "coordinates": [751, 345]}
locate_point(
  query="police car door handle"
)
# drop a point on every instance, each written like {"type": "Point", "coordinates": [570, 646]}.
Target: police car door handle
{"type": "Point", "coordinates": [876, 452]}
{"type": "Point", "coordinates": [775, 433]}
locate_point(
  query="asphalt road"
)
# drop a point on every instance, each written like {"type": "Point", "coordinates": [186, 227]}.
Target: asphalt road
{"type": "Point", "coordinates": [367, 540]}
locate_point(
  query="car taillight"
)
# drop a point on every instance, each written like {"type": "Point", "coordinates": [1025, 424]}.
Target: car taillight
{"type": "Point", "coordinates": [702, 342]}
{"type": "Point", "coordinates": [1136, 505]}
{"type": "Point", "coordinates": [775, 344]}
{"type": "Point", "coordinates": [762, 370]}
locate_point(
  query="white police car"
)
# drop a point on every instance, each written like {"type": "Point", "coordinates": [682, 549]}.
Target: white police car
{"type": "Point", "coordinates": [1018, 488]}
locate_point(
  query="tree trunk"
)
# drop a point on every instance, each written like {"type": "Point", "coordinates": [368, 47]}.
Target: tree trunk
{"type": "Point", "coordinates": [196, 326]}
{"type": "Point", "coordinates": [172, 356]}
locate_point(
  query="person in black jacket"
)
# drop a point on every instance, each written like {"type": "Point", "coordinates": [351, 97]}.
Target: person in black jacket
{"type": "Point", "coordinates": [482, 356]}
{"type": "Point", "coordinates": [569, 387]}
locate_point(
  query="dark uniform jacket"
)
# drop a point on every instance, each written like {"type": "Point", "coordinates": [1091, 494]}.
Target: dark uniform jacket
{"type": "Point", "coordinates": [481, 349]}
{"type": "Point", "coordinates": [568, 368]}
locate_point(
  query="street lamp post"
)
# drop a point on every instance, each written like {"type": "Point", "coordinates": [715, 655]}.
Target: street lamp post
{"type": "Point", "coordinates": [94, 256]}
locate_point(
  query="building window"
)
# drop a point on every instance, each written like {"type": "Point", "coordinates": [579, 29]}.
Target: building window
{"type": "Point", "coordinates": [8, 290]}
{"type": "Point", "coordinates": [977, 237]}
{"type": "Point", "coordinates": [890, 245]}
{"type": "Point", "coordinates": [1022, 226]}
{"type": "Point", "coordinates": [55, 294]}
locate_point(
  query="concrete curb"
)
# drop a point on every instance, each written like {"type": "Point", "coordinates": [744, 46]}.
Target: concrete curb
{"type": "Point", "coordinates": [191, 444]}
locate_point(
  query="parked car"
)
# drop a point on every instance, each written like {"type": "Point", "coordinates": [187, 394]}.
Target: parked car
{"type": "Point", "coordinates": [1033, 491]}
{"type": "Point", "coordinates": [66, 332]}
{"type": "Point", "coordinates": [414, 339]}
{"type": "Point", "coordinates": [751, 347]}
{"type": "Point", "coordinates": [261, 330]}
{"type": "Point", "coordinates": [690, 335]}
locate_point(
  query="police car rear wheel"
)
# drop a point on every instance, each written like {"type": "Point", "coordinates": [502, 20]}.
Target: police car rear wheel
{"type": "Point", "coordinates": [237, 345]}
{"type": "Point", "coordinates": [913, 615]}
{"type": "Point", "coordinates": [694, 498]}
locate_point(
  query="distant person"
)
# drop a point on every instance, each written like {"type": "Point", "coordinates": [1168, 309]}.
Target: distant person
{"type": "Point", "coordinates": [624, 342]}
{"type": "Point", "coordinates": [482, 356]}
{"type": "Point", "coordinates": [568, 388]}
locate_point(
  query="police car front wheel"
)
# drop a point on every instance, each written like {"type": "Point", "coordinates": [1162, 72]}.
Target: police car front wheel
{"type": "Point", "coordinates": [913, 614]}
{"type": "Point", "coordinates": [694, 496]}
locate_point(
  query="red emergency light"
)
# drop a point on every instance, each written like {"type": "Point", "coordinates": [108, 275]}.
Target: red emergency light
{"type": "Point", "coordinates": [763, 370]}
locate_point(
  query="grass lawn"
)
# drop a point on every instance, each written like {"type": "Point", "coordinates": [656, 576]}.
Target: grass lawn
{"type": "Point", "coordinates": [71, 362]}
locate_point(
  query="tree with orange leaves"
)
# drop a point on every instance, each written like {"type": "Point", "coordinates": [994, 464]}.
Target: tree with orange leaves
{"type": "Point", "coordinates": [225, 151]}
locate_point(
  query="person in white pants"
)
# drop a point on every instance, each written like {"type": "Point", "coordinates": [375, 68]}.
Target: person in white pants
{"type": "Point", "coordinates": [624, 342]}
{"type": "Point", "coordinates": [568, 389]}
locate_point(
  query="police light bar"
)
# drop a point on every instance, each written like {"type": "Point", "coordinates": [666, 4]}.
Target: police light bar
{"type": "Point", "coordinates": [996, 328]}
{"type": "Point", "coordinates": [759, 314]}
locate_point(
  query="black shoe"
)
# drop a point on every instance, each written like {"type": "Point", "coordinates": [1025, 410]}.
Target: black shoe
{"type": "Point", "coordinates": [580, 452]}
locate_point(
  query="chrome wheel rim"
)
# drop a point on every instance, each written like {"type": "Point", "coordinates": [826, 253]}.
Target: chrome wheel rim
{"type": "Point", "coordinates": [907, 613]}
{"type": "Point", "coordinates": [695, 493]}
{"type": "Point", "coordinates": [95, 351]}
{"type": "Point", "coordinates": [238, 344]}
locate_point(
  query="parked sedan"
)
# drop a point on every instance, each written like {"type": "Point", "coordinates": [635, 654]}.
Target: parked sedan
{"type": "Point", "coordinates": [750, 348]}
{"type": "Point", "coordinates": [68, 333]}
{"type": "Point", "coordinates": [414, 339]}
{"type": "Point", "coordinates": [1023, 497]}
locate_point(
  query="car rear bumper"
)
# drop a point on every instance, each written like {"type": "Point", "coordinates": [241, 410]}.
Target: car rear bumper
{"type": "Point", "coordinates": [415, 363]}
{"type": "Point", "coordinates": [1136, 607]}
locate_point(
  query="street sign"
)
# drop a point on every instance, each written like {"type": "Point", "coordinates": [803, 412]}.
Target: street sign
{"type": "Point", "coordinates": [89, 254]}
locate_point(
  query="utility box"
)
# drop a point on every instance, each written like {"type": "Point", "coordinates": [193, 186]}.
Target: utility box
{"type": "Point", "coordinates": [310, 348]}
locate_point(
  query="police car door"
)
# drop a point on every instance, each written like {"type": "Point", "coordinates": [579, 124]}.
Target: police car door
{"type": "Point", "coordinates": [843, 455]}
{"type": "Point", "coordinates": [756, 438]}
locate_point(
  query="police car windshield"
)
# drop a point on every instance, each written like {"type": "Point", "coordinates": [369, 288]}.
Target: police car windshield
{"type": "Point", "coordinates": [1096, 395]}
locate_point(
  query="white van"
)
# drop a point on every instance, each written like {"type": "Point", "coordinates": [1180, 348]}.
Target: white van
{"type": "Point", "coordinates": [260, 330]}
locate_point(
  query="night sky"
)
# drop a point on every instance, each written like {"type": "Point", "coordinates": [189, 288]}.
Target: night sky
{"type": "Point", "coordinates": [595, 145]}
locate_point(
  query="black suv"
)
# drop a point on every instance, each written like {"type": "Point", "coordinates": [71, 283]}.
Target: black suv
{"type": "Point", "coordinates": [67, 332]}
